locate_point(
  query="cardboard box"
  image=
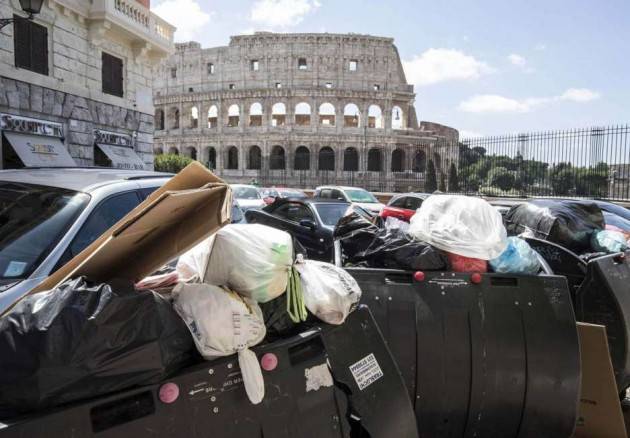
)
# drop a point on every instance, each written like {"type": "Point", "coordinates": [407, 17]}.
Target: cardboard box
{"type": "Point", "coordinates": [600, 413]}
{"type": "Point", "coordinates": [188, 208]}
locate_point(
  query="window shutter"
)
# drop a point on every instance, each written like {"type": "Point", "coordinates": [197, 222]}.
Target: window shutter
{"type": "Point", "coordinates": [39, 48]}
{"type": "Point", "coordinates": [117, 76]}
{"type": "Point", "coordinates": [106, 73]}
{"type": "Point", "coordinates": [22, 43]}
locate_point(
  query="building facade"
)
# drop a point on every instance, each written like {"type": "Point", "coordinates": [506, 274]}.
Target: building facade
{"type": "Point", "coordinates": [299, 110]}
{"type": "Point", "coordinates": [76, 83]}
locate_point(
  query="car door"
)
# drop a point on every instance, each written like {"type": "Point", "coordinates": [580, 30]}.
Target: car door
{"type": "Point", "coordinates": [291, 214]}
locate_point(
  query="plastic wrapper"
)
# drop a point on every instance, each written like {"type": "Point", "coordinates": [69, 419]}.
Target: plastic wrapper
{"type": "Point", "coordinates": [460, 263]}
{"type": "Point", "coordinates": [365, 244]}
{"type": "Point", "coordinates": [570, 224]}
{"type": "Point", "coordinates": [191, 266]}
{"type": "Point", "coordinates": [330, 293]}
{"type": "Point", "coordinates": [392, 223]}
{"type": "Point", "coordinates": [461, 225]}
{"type": "Point", "coordinates": [518, 258]}
{"type": "Point", "coordinates": [223, 323]}
{"type": "Point", "coordinates": [609, 241]}
{"type": "Point", "coordinates": [84, 340]}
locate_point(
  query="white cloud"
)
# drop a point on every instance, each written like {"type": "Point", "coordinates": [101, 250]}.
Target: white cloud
{"type": "Point", "coordinates": [282, 13]}
{"type": "Point", "coordinates": [186, 15]}
{"type": "Point", "coordinates": [517, 60]}
{"type": "Point", "coordinates": [469, 134]}
{"type": "Point", "coordinates": [493, 103]}
{"type": "Point", "coordinates": [440, 65]}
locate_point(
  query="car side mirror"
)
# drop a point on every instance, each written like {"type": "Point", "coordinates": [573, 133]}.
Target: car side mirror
{"type": "Point", "coordinates": [307, 223]}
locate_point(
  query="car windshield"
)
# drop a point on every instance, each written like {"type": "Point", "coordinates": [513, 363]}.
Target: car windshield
{"type": "Point", "coordinates": [360, 195]}
{"type": "Point", "coordinates": [295, 194]}
{"type": "Point", "coordinates": [237, 214]}
{"type": "Point", "coordinates": [331, 213]}
{"type": "Point", "coordinates": [269, 192]}
{"type": "Point", "coordinates": [245, 193]}
{"type": "Point", "coordinates": [32, 221]}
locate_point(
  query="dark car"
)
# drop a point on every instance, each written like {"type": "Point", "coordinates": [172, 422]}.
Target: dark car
{"type": "Point", "coordinates": [310, 221]}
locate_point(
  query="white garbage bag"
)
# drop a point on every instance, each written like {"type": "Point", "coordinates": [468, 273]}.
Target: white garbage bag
{"type": "Point", "coordinates": [330, 293]}
{"type": "Point", "coordinates": [462, 225]}
{"type": "Point", "coordinates": [192, 265]}
{"type": "Point", "coordinates": [393, 223]}
{"type": "Point", "coordinates": [223, 323]}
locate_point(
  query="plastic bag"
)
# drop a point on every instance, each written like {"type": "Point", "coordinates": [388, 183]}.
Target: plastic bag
{"type": "Point", "coordinates": [461, 225]}
{"type": "Point", "coordinates": [192, 265]}
{"type": "Point", "coordinates": [518, 258]}
{"type": "Point", "coordinates": [570, 224]}
{"type": "Point", "coordinates": [392, 223]}
{"type": "Point", "coordinates": [609, 241]}
{"type": "Point", "coordinates": [224, 323]}
{"type": "Point", "coordinates": [466, 264]}
{"type": "Point", "coordinates": [330, 293]}
{"type": "Point", "coordinates": [83, 340]}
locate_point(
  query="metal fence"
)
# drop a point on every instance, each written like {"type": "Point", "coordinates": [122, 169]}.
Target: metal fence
{"type": "Point", "coordinates": [587, 162]}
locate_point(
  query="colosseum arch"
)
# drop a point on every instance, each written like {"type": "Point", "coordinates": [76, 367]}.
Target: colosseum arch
{"type": "Point", "coordinates": [398, 121]}
{"type": "Point", "coordinates": [326, 160]}
{"type": "Point", "coordinates": [351, 116]}
{"type": "Point", "coordinates": [254, 158]}
{"type": "Point", "coordinates": [437, 161]}
{"type": "Point", "coordinates": [375, 160]}
{"type": "Point", "coordinates": [302, 114]}
{"type": "Point", "coordinates": [234, 115]}
{"type": "Point", "coordinates": [159, 119]}
{"type": "Point", "coordinates": [420, 161]}
{"type": "Point", "coordinates": [350, 160]}
{"type": "Point", "coordinates": [232, 158]}
{"type": "Point", "coordinates": [191, 152]}
{"type": "Point", "coordinates": [213, 117]}
{"type": "Point", "coordinates": [398, 160]}
{"type": "Point", "coordinates": [173, 118]}
{"type": "Point", "coordinates": [278, 114]}
{"type": "Point", "coordinates": [194, 118]}
{"type": "Point", "coordinates": [375, 117]}
{"type": "Point", "coordinates": [209, 157]}
{"type": "Point", "coordinates": [255, 114]}
{"type": "Point", "coordinates": [276, 158]}
{"type": "Point", "coordinates": [158, 151]}
{"type": "Point", "coordinates": [327, 114]}
{"type": "Point", "coordinates": [302, 160]}
{"type": "Point", "coordinates": [173, 151]}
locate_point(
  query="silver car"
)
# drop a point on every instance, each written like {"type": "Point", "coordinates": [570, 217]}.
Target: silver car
{"type": "Point", "coordinates": [48, 215]}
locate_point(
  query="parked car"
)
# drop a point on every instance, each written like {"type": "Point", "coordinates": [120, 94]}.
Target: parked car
{"type": "Point", "coordinates": [354, 195]}
{"type": "Point", "coordinates": [238, 217]}
{"type": "Point", "coordinates": [48, 216]}
{"type": "Point", "coordinates": [310, 221]}
{"type": "Point", "coordinates": [247, 196]}
{"type": "Point", "coordinates": [270, 194]}
{"type": "Point", "coordinates": [403, 206]}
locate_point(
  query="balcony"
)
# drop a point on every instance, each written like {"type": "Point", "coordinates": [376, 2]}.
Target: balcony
{"type": "Point", "coordinates": [129, 20]}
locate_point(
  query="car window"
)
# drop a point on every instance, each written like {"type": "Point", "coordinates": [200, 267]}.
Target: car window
{"type": "Point", "coordinates": [145, 192]}
{"type": "Point", "coordinates": [413, 203]}
{"type": "Point", "coordinates": [331, 213]}
{"type": "Point", "coordinates": [400, 202]}
{"type": "Point", "coordinates": [325, 193]}
{"type": "Point", "coordinates": [336, 194]}
{"type": "Point", "coordinates": [246, 193]}
{"type": "Point", "coordinates": [360, 195]}
{"type": "Point", "coordinates": [292, 194]}
{"type": "Point", "coordinates": [293, 211]}
{"type": "Point", "coordinates": [106, 214]}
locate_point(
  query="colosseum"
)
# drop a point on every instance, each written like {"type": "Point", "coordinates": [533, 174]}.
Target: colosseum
{"type": "Point", "coordinates": [299, 110]}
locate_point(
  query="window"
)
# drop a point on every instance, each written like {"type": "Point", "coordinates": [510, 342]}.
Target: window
{"type": "Point", "coordinates": [232, 86]}
{"type": "Point", "coordinates": [293, 212]}
{"type": "Point", "coordinates": [254, 64]}
{"type": "Point", "coordinates": [173, 72]}
{"type": "Point", "coordinates": [112, 75]}
{"type": "Point", "coordinates": [191, 89]}
{"type": "Point", "coordinates": [326, 159]}
{"type": "Point", "coordinates": [377, 87]}
{"type": "Point", "coordinates": [210, 67]}
{"type": "Point", "coordinates": [31, 45]}
{"type": "Point", "coordinates": [278, 85]}
{"type": "Point", "coordinates": [336, 194]}
{"type": "Point", "coordinates": [325, 193]}
{"type": "Point", "coordinates": [302, 65]}
{"type": "Point", "coordinates": [413, 203]}
{"type": "Point", "coordinates": [400, 202]}
{"type": "Point", "coordinates": [353, 65]}
{"type": "Point", "coordinates": [278, 114]}
{"type": "Point", "coordinates": [328, 85]}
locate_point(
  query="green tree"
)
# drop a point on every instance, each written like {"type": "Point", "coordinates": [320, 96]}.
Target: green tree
{"type": "Point", "coordinates": [592, 181]}
{"type": "Point", "coordinates": [453, 180]}
{"type": "Point", "coordinates": [171, 163]}
{"type": "Point", "coordinates": [562, 177]}
{"type": "Point", "coordinates": [442, 187]}
{"type": "Point", "coordinates": [502, 178]}
{"type": "Point", "coordinates": [430, 185]}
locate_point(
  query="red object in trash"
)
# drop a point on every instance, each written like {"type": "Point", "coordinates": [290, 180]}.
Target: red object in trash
{"type": "Point", "coordinates": [269, 362]}
{"type": "Point", "coordinates": [418, 276]}
{"type": "Point", "coordinates": [466, 264]}
{"type": "Point", "coordinates": [169, 392]}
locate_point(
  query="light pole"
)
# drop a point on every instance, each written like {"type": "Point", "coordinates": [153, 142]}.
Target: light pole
{"type": "Point", "coordinates": [31, 7]}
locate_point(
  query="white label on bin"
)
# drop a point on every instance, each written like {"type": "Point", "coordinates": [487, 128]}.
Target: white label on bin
{"type": "Point", "coordinates": [366, 371]}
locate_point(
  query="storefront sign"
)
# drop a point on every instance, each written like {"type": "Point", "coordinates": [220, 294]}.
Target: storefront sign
{"type": "Point", "coordinates": [112, 138]}
{"type": "Point", "coordinates": [26, 125]}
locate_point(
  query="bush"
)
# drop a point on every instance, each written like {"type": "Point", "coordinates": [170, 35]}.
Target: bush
{"type": "Point", "coordinates": [502, 178]}
{"type": "Point", "coordinates": [171, 163]}
{"type": "Point", "coordinates": [453, 180]}
{"type": "Point", "coordinates": [430, 184]}
{"type": "Point", "coordinates": [442, 187]}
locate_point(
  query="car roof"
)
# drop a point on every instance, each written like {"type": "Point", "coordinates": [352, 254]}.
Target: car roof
{"type": "Point", "coordinates": [340, 188]}
{"type": "Point", "coordinates": [413, 195]}
{"type": "Point", "coordinates": [310, 201]}
{"type": "Point", "coordinates": [245, 185]}
{"type": "Point", "coordinates": [80, 179]}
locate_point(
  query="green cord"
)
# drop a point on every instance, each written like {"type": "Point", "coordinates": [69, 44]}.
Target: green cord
{"type": "Point", "coordinates": [295, 299]}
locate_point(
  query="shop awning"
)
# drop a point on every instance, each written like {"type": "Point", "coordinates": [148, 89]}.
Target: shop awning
{"type": "Point", "coordinates": [39, 150]}
{"type": "Point", "coordinates": [122, 157]}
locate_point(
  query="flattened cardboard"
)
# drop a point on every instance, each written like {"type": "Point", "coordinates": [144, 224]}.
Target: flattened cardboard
{"type": "Point", "coordinates": [600, 413]}
{"type": "Point", "coordinates": [187, 209]}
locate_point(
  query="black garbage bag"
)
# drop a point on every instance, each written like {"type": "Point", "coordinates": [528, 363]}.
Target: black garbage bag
{"type": "Point", "coordinates": [366, 244]}
{"type": "Point", "coordinates": [83, 340]}
{"type": "Point", "coordinates": [567, 223]}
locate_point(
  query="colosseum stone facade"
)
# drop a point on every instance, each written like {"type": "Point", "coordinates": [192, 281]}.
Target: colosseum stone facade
{"type": "Point", "coordinates": [299, 110]}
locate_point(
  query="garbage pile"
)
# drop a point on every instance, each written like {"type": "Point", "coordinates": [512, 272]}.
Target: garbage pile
{"type": "Point", "coordinates": [447, 233]}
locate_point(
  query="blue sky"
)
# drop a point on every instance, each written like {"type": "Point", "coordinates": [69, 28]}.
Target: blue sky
{"type": "Point", "coordinates": [484, 67]}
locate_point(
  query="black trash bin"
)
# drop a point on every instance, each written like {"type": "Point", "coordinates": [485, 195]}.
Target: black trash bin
{"type": "Point", "coordinates": [364, 396]}
{"type": "Point", "coordinates": [600, 289]}
{"type": "Point", "coordinates": [487, 355]}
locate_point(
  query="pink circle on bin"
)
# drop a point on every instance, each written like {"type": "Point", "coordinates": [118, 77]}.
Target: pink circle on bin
{"type": "Point", "coordinates": [169, 392]}
{"type": "Point", "coordinates": [269, 361]}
